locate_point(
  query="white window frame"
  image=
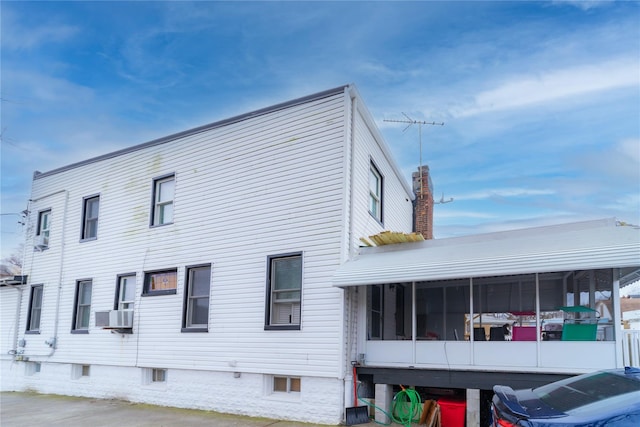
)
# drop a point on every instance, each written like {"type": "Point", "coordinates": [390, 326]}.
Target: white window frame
{"type": "Point", "coordinates": [375, 192]}
{"type": "Point", "coordinates": [273, 299]}
{"type": "Point", "coordinates": [89, 222]}
{"type": "Point", "coordinates": [163, 207]}
{"type": "Point", "coordinates": [191, 299]}
{"type": "Point", "coordinates": [125, 281]}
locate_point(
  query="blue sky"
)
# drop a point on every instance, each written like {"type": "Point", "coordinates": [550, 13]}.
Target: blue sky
{"type": "Point", "coordinates": [540, 100]}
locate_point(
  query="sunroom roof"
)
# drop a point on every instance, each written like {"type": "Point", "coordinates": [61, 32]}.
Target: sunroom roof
{"type": "Point", "coordinates": [575, 246]}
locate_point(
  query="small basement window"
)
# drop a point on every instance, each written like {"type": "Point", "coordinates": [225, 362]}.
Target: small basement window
{"type": "Point", "coordinates": [286, 384]}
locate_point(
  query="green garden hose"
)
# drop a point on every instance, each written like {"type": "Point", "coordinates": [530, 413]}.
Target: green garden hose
{"type": "Point", "coordinates": [405, 409]}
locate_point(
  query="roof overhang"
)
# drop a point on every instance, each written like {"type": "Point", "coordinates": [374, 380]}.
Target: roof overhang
{"type": "Point", "coordinates": [577, 246]}
{"type": "Point", "coordinates": [13, 280]}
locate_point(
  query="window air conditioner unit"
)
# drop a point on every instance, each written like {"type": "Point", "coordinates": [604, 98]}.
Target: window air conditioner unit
{"type": "Point", "coordinates": [41, 242]}
{"type": "Point", "coordinates": [115, 319]}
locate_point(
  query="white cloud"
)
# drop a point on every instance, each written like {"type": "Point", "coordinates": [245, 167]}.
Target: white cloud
{"type": "Point", "coordinates": [503, 193]}
{"type": "Point", "coordinates": [551, 86]}
{"type": "Point", "coordinates": [18, 35]}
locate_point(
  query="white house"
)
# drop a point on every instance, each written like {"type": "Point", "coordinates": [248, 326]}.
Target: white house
{"type": "Point", "coordinates": [222, 268]}
{"type": "Point", "coordinates": [196, 270]}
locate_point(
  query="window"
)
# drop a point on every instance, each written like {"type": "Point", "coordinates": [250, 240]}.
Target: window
{"type": "Point", "coordinates": [160, 282]}
{"type": "Point", "coordinates": [152, 376]}
{"type": "Point", "coordinates": [196, 314]}
{"type": "Point", "coordinates": [32, 368]}
{"type": "Point", "coordinates": [35, 309]}
{"type": "Point", "coordinates": [158, 375]}
{"type": "Point", "coordinates": [44, 223]}
{"type": "Point", "coordinates": [284, 288]}
{"type": "Point", "coordinates": [162, 209]}
{"type": "Point", "coordinates": [286, 384]}
{"type": "Point", "coordinates": [91, 206]}
{"type": "Point", "coordinates": [82, 311]}
{"type": "Point", "coordinates": [375, 192]}
{"type": "Point", "coordinates": [79, 371]}
{"type": "Point", "coordinates": [125, 292]}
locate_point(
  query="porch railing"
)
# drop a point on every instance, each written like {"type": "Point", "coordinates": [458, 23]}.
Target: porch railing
{"type": "Point", "coordinates": [631, 347]}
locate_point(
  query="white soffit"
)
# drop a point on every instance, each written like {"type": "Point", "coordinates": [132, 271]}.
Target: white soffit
{"type": "Point", "coordinates": [575, 246]}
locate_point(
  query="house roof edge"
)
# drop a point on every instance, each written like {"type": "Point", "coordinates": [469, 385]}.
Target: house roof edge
{"type": "Point", "coordinates": [196, 130]}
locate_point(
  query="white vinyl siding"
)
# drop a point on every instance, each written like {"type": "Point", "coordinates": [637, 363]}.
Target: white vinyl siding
{"type": "Point", "coordinates": [270, 184]}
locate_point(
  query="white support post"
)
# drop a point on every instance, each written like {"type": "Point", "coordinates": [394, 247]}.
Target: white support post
{"type": "Point", "coordinates": [384, 397]}
{"type": "Point", "coordinates": [473, 407]}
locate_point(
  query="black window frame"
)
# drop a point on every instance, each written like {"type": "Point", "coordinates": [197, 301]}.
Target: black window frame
{"type": "Point", "coordinates": [84, 237]}
{"type": "Point", "coordinates": [188, 298]}
{"type": "Point", "coordinates": [33, 329]}
{"type": "Point", "coordinates": [153, 221]}
{"type": "Point", "coordinates": [373, 168]}
{"type": "Point", "coordinates": [76, 307]}
{"type": "Point", "coordinates": [146, 292]}
{"type": "Point", "coordinates": [268, 325]}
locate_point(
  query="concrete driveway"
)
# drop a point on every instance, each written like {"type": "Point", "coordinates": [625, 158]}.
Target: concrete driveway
{"type": "Point", "coordinates": [39, 410]}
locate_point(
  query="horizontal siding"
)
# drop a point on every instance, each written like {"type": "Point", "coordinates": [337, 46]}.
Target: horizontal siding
{"type": "Point", "coordinates": [397, 205]}
{"type": "Point", "coordinates": [267, 185]}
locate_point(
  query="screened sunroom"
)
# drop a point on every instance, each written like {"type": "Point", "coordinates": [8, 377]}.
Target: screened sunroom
{"type": "Point", "coordinates": [524, 300]}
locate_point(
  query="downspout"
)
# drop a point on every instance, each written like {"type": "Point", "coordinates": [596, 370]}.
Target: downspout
{"type": "Point", "coordinates": [351, 340]}
{"type": "Point", "coordinates": [20, 290]}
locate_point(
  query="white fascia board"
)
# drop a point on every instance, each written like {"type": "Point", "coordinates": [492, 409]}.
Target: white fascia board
{"type": "Point", "coordinates": [384, 147]}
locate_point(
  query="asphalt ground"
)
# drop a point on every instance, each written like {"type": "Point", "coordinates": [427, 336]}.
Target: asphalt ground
{"type": "Point", "coordinates": [40, 410]}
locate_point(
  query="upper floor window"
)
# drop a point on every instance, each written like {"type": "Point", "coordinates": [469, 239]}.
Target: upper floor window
{"type": "Point", "coordinates": [126, 292]}
{"type": "Point", "coordinates": [284, 292]}
{"type": "Point", "coordinates": [375, 192]}
{"type": "Point", "coordinates": [44, 224]}
{"type": "Point", "coordinates": [90, 209]}
{"type": "Point", "coordinates": [196, 312]}
{"type": "Point", "coordinates": [160, 282]}
{"type": "Point", "coordinates": [162, 209]}
{"type": "Point", "coordinates": [82, 307]}
{"type": "Point", "coordinates": [35, 309]}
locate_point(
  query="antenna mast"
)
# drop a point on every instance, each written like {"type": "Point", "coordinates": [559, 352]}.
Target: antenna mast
{"type": "Point", "coordinates": [409, 121]}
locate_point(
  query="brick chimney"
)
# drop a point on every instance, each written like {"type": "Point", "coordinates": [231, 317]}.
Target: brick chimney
{"type": "Point", "coordinates": [423, 204]}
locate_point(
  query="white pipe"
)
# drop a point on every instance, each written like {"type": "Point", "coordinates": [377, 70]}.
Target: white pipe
{"type": "Point", "coordinates": [17, 322]}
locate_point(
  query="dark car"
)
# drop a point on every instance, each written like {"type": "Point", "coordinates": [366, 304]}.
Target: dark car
{"type": "Point", "coordinates": [603, 398]}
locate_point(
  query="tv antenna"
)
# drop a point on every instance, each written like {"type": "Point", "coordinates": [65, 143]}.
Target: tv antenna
{"type": "Point", "coordinates": [409, 121]}
{"type": "Point", "coordinates": [443, 201]}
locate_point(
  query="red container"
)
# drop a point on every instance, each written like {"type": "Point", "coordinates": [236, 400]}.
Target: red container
{"type": "Point", "coordinates": [452, 412]}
